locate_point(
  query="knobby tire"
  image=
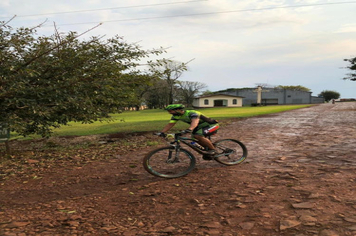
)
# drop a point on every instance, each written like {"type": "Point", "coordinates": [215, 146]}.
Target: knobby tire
{"type": "Point", "coordinates": [230, 151]}
{"type": "Point", "coordinates": [155, 162]}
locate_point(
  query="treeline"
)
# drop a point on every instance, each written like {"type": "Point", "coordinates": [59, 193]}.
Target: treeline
{"type": "Point", "coordinates": [48, 81]}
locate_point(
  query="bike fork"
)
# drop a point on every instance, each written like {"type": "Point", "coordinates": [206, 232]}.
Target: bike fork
{"type": "Point", "coordinates": [175, 158]}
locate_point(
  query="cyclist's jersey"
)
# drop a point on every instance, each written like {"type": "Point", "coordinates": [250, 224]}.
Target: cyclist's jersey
{"type": "Point", "coordinates": [205, 127]}
{"type": "Point", "coordinates": [187, 117]}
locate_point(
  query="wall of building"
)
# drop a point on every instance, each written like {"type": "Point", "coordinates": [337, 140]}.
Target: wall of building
{"type": "Point", "coordinates": [317, 100]}
{"type": "Point", "coordinates": [218, 100]}
{"type": "Point", "coordinates": [274, 96]}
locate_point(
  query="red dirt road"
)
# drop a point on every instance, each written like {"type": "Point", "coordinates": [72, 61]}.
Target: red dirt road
{"type": "Point", "coordinates": [299, 179]}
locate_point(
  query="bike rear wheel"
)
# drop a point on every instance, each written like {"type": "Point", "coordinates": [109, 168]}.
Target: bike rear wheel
{"type": "Point", "coordinates": [167, 162]}
{"type": "Point", "coordinates": [230, 151]}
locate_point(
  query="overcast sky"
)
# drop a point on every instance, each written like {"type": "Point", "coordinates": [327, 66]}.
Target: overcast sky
{"type": "Point", "coordinates": [234, 44]}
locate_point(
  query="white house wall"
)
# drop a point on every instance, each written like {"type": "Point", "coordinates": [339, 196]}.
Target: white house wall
{"type": "Point", "coordinates": [200, 102]}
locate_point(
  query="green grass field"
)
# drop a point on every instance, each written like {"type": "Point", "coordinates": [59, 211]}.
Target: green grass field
{"type": "Point", "coordinates": [154, 120]}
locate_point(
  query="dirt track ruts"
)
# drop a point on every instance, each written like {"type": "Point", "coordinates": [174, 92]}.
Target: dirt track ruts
{"type": "Point", "coordinates": [299, 179]}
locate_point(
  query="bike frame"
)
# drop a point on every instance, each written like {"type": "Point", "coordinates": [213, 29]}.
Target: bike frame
{"type": "Point", "coordinates": [155, 162]}
{"type": "Point", "coordinates": [178, 139]}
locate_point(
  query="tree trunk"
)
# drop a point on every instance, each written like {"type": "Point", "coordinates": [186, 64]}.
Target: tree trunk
{"type": "Point", "coordinates": [7, 148]}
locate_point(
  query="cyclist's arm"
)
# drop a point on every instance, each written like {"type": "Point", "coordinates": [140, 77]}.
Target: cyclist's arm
{"type": "Point", "coordinates": [168, 127]}
{"type": "Point", "coordinates": [194, 123]}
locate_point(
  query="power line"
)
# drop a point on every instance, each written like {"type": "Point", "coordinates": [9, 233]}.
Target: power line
{"type": "Point", "coordinates": [214, 13]}
{"type": "Point", "coordinates": [110, 8]}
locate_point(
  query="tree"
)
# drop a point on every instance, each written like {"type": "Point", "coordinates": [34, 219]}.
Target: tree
{"type": "Point", "coordinates": [328, 95]}
{"type": "Point", "coordinates": [48, 81]}
{"type": "Point", "coordinates": [206, 93]}
{"type": "Point", "coordinates": [146, 83]}
{"type": "Point", "coordinates": [189, 90]}
{"type": "Point", "coordinates": [352, 67]}
{"type": "Point", "coordinates": [295, 88]}
{"type": "Point", "coordinates": [170, 71]}
{"type": "Point", "coordinates": [156, 96]}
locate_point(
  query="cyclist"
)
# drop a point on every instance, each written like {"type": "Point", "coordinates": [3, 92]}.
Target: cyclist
{"type": "Point", "coordinates": [200, 125]}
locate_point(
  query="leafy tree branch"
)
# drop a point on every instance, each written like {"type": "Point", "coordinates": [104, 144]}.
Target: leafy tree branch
{"type": "Point", "coordinates": [48, 81]}
{"type": "Point", "coordinates": [352, 67]}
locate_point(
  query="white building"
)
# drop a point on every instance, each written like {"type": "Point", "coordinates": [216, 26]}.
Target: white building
{"type": "Point", "coordinates": [218, 100]}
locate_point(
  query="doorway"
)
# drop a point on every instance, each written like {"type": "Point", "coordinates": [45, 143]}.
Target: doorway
{"type": "Point", "coordinates": [220, 103]}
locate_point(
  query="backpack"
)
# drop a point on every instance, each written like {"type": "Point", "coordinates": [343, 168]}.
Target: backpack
{"type": "Point", "coordinates": [208, 120]}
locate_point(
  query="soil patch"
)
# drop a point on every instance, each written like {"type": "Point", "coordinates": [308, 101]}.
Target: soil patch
{"type": "Point", "coordinates": [299, 179]}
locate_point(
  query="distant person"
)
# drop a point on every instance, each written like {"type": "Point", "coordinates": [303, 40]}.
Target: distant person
{"type": "Point", "coordinates": [333, 101]}
{"type": "Point", "coordinates": [200, 125]}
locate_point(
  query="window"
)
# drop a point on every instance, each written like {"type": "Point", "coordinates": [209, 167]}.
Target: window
{"type": "Point", "coordinates": [234, 101]}
{"type": "Point", "coordinates": [206, 102]}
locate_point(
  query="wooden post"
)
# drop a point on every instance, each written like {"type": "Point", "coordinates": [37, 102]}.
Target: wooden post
{"type": "Point", "coordinates": [7, 147]}
{"type": "Point", "coordinates": [5, 136]}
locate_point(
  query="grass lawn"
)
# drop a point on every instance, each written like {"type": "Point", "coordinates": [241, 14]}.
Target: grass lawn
{"type": "Point", "coordinates": [154, 120]}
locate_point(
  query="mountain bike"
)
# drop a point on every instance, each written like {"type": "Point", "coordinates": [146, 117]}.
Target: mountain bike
{"type": "Point", "coordinates": [175, 161]}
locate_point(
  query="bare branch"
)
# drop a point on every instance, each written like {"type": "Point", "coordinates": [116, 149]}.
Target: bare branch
{"type": "Point", "coordinates": [8, 21]}
{"type": "Point", "coordinates": [190, 61]}
{"type": "Point", "coordinates": [53, 48]}
{"type": "Point", "coordinates": [39, 25]}
{"type": "Point", "coordinates": [57, 34]}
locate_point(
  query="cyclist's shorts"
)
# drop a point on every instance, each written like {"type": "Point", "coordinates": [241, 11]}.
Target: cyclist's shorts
{"type": "Point", "coordinates": [206, 130]}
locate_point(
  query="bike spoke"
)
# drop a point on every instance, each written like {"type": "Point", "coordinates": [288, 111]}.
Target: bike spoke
{"type": "Point", "coordinates": [230, 152]}
{"type": "Point", "coordinates": [168, 163]}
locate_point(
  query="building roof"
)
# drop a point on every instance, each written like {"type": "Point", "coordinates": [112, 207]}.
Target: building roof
{"type": "Point", "coordinates": [221, 94]}
{"type": "Point", "coordinates": [267, 89]}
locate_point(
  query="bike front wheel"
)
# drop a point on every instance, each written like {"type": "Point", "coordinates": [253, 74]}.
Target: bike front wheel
{"type": "Point", "coordinates": [168, 162]}
{"type": "Point", "coordinates": [230, 151]}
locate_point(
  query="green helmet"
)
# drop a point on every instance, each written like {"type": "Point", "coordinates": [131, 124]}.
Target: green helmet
{"type": "Point", "coordinates": [174, 107]}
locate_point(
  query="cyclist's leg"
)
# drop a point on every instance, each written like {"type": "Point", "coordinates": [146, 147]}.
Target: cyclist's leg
{"type": "Point", "coordinates": [200, 134]}
{"type": "Point", "coordinates": [205, 142]}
